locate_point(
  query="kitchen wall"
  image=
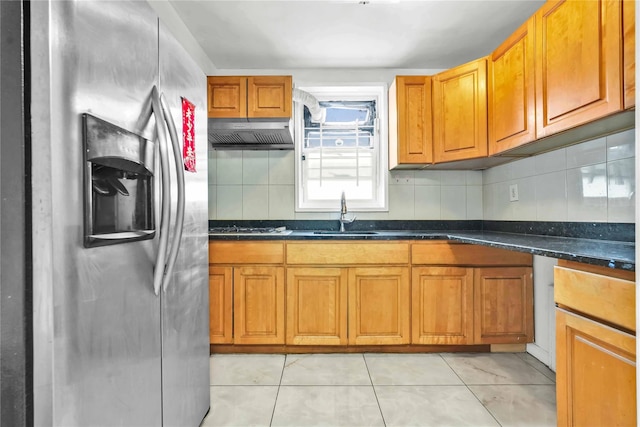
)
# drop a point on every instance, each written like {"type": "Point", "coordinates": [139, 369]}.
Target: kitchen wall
{"type": "Point", "coordinates": [593, 181]}
{"type": "Point", "coordinates": [589, 182]}
{"type": "Point", "coordinates": [260, 185]}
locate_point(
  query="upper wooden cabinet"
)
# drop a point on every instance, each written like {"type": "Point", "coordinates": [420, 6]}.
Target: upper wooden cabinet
{"type": "Point", "coordinates": [512, 115]}
{"type": "Point", "coordinates": [629, 54]}
{"type": "Point", "coordinates": [410, 130]}
{"type": "Point", "coordinates": [249, 97]}
{"type": "Point", "coordinates": [460, 112]}
{"type": "Point", "coordinates": [578, 74]}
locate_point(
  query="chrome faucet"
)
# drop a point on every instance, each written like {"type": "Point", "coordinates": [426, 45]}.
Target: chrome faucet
{"type": "Point", "coordinates": [343, 213]}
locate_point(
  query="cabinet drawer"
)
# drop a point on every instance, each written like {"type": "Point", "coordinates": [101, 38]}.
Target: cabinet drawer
{"type": "Point", "coordinates": [246, 252]}
{"type": "Point", "coordinates": [611, 299]}
{"type": "Point", "coordinates": [460, 254]}
{"type": "Point", "coordinates": [347, 253]}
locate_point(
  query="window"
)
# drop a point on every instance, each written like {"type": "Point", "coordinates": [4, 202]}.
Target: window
{"type": "Point", "coordinates": [342, 149]}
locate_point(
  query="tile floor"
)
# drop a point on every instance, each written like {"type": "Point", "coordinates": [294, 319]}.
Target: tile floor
{"type": "Point", "coordinates": [435, 389]}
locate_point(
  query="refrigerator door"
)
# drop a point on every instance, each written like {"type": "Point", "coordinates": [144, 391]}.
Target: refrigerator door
{"type": "Point", "coordinates": [185, 303]}
{"type": "Point", "coordinates": [97, 322]}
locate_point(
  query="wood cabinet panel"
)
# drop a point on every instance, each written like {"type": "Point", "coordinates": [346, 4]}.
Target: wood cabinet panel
{"type": "Point", "coordinates": [348, 253]}
{"type": "Point", "coordinates": [316, 306]}
{"type": "Point", "coordinates": [269, 96]}
{"type": "Point", "coordinates": [606, 298]}
{"type": "Point", "coordinates": [460, 254]}
{"type": "Point", "coordinates": [596, 373]}
{"type": "Point", "coordinates": [512, 115]}
{"type": "Point", "coordinates": [503, 300]}
{"type": "Point", "coordinates": [410, 118]}
{"type": "Point", "coordinates": [460, 112]}
{"type": "Point", "coordinates": [259, 303]}
{"type": "Point", "coordinates": [578, 75]}
{"type": "Point", "coordinates": [249, 97]}
{"type": "Point", "coordinates": [629, 52]}
{"type": "Point", "coordinates": [220, 305]}
{"type": "Point", "coordinates": [442, 305]}
{"type": "Point", "coordinates": [246, 252]}
{"type": "Point", "coordinates": [379, 306]}
{"type": "Point", "coordinates": [227, 96]}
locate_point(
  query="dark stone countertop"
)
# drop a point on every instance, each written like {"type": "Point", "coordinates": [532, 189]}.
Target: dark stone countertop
{"type": "Point", "coordinates": [607, 253]}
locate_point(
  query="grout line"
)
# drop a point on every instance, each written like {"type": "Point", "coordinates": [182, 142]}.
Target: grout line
{"type": "Point", "coordinates": [471, 391]}
{"type": "Point", "coordinates": [275, 403]}
{"type": "Point", "coordinates": [384, 422]}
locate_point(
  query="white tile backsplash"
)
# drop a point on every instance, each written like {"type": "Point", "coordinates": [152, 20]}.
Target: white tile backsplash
{"type": "Point", "coordinates": [255, 167]}
{"type": "Point", "coordinates": [587, 153]}
{"type": "Point", "coordinates": [281, 167]}
{"type": "Point", "coordinates": [229, 202]}
{"type": "Point", "coordinates": [593, 181]}
{"type": "Point", "coordinates": [255, 201]}
{"type": "Point", "coordinates": [229, 168]}
{"type": "Point", "coordinates": [554, 186]}
{"type": "Point", "coordinates": [453, 199]}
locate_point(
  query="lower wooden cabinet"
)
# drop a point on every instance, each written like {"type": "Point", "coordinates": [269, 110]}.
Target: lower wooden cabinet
{"type": "Point", "coordinates": [442, 305]}
{"type": "Point", "coordinates": [258, 305]}
{"type": "Point", "coordinates": [220, 305]}
{"type": "Point", "coordinates": [379, 306]}
{"type": "Point", "coordinates": [503, 305]}
{"type": "Point", "coordinates": [316, 306]}
{"type": "Point", "coordinates": [450, 294]}
{"type": "Point", "coordinates": [246, 305]}
{"type": "Point", "coordinates": [596, 373]}
{"type": "Point", "coordinates": [375, 301]}
{"type": "Point", "coordinates": [595, 345]}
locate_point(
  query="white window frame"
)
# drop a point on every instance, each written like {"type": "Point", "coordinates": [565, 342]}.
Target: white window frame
{"type": "Point", "coordinates": [376, 91]}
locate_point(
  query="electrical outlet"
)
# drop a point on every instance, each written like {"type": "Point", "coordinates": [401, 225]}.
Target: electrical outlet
{"type": "Point", "coordinates": [513, 193]}
{"type": "Point", "coordinates": [403, 178]}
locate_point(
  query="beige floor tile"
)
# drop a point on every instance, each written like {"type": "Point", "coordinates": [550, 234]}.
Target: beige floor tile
{"type": "Point", "coordinates": [519, 405]}
{"type": "Point", "coordinates": [246, 369]}
{"type": "Point", "coordinates": [325, 369]}
{"type": "Point", "coordinates": [351, 406]}
{"type": "Point", "coordinates": [494, 368]}
{"type": "Point", "coordinates": [437, 406]}
{"type": "Point", "coordinates": [544, 369]}
{"type": "Point", "coordinates": [410, 369]}
{"type": "Point", "coordinates": [241, 406]}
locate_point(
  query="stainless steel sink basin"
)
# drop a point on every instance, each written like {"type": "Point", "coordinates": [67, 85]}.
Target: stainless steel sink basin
{"type": "Point", "coordinates": [345, 233]}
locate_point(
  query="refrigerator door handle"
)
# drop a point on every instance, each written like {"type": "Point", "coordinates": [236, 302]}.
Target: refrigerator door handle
{"type": "Point", "coordinates": [165, 193]}
{"type": "Point", "coordinates": [179, 224]}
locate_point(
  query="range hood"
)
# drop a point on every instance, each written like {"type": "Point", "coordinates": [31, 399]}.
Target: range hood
{"type": "Point", "coordinates": [257, 134]}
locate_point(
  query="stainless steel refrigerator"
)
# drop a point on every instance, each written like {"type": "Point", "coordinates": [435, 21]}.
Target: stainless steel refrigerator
{"type": "Point", "coordinates": [109, 347]}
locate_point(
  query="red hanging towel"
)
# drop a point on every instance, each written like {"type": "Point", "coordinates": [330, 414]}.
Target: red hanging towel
{"type": "Point", "coordinates": [188, 136]}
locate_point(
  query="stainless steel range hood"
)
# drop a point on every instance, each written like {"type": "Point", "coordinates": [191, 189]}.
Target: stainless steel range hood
{"type": "Point", "coordinates": [258, 134]}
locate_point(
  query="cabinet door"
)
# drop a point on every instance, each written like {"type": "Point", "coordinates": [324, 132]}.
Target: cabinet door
{"type": "Point", "coordinates": [460, 112]}
{"type": "Point", "coordinates": [258, 305]}
{"type": "Point", "coordinates": [379, 306]}
{"type": "Point", "coordinates": [410, 133]}
{"type": "Point", "coordinates": [442, 305]}
{"type": "Point", "coordinates": [503, 299]}
{"type": "Point", "coordinates": [317, 306]}
{"type": "Point", "coordinates": [596, 373]}
{"type": "Point", "coordinates": [512, 115]}
{"type": "Point", "coordinates": [629, 54]}
{"type": "Point", "coordinates": [220, 305]}
{"type": "Point", "coordinates": [578, 48]}
{"type": "Point", "coordinates": [269, 96]}
{"type": "Point", "coordinates": [227, 96]}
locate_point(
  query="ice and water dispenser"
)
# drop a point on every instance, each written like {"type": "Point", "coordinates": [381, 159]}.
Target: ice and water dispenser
{"type": "Point", "coordinates": [119, 184]}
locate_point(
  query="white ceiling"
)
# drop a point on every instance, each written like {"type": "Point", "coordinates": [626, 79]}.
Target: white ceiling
{"type": "Point", "coordinates": [409, 34]}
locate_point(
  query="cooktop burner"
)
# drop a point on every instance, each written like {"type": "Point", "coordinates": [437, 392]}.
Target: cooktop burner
{"type": "Point", "coordinates": [249, 230]}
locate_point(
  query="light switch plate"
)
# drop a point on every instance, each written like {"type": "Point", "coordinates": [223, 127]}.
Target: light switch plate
{"type": "Point", "coordinates": [513, 192]}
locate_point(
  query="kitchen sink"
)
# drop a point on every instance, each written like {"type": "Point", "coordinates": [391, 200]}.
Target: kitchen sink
{"type": "Point", "coordinates": [346, 233]}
